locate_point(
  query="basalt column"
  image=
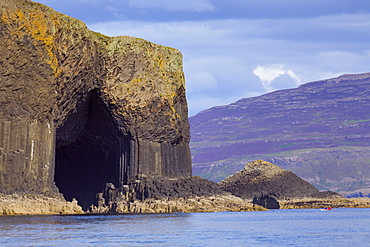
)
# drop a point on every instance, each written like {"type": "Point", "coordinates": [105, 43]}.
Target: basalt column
{"type": "Point", "coordinates": [26, 156]}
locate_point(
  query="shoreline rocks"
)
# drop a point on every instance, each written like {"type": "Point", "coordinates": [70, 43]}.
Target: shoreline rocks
{"type": "Point", "coordinates": [22, 204]}
{"type": "Point", "coordinates": [17, 204]}
{"type": "Point", "coordinates": [164, 195]}
{"type": "Point", "coordinates": [191, 194]}
{"type": "Point", "coordinates": [334, 202]}
{"type": "Point", "coordinates": [31, 204]}
{"type": "Point", "coordinates": [216, 203]}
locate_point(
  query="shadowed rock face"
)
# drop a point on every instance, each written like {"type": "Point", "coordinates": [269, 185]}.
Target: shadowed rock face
{"type": "Point", "coordinates": [84, 108]}
{"type": "Point", "coordinates": [85, 164]}
{"type": "Point", "coordinates": [267, 201]}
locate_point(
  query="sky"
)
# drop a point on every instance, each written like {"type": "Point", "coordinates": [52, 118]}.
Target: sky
{"type": "Point", "coordinates": [234, 49]}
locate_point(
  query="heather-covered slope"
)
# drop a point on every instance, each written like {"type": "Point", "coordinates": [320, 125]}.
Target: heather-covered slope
{"type": "Point", "coordinates": [320, 131]}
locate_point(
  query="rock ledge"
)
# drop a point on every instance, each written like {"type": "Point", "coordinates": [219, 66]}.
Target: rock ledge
{"type": "Point", "coordinates": [24, 204]}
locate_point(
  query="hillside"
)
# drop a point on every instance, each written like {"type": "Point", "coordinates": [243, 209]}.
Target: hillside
{"type": "Point", "coordinates": [320, 131]}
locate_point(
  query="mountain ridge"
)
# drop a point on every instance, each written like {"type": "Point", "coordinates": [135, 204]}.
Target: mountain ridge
{"type": "Point", "coordinates": [322, 116]}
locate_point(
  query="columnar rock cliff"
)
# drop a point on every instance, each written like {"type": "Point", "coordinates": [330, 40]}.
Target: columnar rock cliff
{"type": "Point", "coordinates": [79, 109]}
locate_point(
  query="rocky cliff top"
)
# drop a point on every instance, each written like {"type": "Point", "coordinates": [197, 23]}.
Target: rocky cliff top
{"type": "Point", "coordinates": [55, 61]}
{"type": "Point", "coordinates": [263, 178]}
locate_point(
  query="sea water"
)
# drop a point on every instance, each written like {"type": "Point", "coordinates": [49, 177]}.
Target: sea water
{"type": "Point", "coordinates": [290, 227]}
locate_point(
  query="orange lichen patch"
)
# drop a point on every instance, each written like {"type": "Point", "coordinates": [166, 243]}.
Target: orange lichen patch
{"type": "Point", "coordinates": [41, 31]}
{"type": "Point", "coordinates": [34, 23]}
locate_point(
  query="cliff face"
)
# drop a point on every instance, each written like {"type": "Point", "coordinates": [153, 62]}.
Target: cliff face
{"type": "Point", "coordinates": [319, 131]}
{"type": "Point", "coordinates": [83, 109]}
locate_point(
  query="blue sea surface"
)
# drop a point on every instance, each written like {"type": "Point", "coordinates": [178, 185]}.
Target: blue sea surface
{"type": "Point", "coordinates": [290, 227]}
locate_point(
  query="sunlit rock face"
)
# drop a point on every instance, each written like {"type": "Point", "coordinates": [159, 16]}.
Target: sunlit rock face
{"type": "Point", "coordinates": [79, 109]}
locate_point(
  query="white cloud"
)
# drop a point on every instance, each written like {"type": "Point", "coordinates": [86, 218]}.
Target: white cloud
{"type": "Point", "coordinates": [175, 5]}
{"type": "Point", "coordinates": [268, 74]}
{"type": "Point", "coordinates": [115, 11]}
{"type": "Point", "coordinates": [89, 1]}
{"type": "Point", "coordinates": [228, 59]}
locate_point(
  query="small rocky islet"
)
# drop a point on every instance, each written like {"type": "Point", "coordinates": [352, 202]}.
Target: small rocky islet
{"type": "Point", "coordinates": [97, 124]}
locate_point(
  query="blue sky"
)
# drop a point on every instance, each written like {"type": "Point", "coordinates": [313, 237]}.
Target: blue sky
{"type": "Point", "coordinates": [235, 49]}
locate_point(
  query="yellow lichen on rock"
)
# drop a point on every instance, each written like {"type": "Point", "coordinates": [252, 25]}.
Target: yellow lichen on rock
{"type": "Point", "coordinates": [154, 65]}
{"type": "Point", "coordinates": [33, 23]}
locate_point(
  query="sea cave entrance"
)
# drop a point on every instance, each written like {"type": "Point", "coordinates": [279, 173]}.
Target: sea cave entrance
{"type": "Point", "coordinates": [90, 152]}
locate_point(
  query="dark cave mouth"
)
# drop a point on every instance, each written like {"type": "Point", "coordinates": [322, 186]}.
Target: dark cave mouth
{"type": "Point", "coordinates": [96, 153]}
